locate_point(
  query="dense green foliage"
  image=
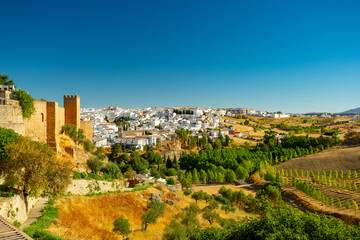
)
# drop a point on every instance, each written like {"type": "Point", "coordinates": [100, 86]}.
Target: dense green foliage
{"type": "Point", "coordinates": [269, 152]}
{"type": "Point", "coordinates": [156, 210]}
{"type": "Point", "coordinates": [77, 135]}
{"type": "Point", "coordinates": [6, 136]}
{"type": "Point", "coordinates": [284, 223]}
{"type": "Point", "coordinates": [122, 225]}
{"type": "Point", "coordinates": [26, 102]}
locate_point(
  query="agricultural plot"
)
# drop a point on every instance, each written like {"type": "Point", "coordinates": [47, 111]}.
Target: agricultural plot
{"type": "Point", "coordinates": [336, 190]}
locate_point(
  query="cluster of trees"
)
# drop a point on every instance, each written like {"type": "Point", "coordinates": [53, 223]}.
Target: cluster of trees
{"type": "Point", "coordinates": [212, 175]}
{"type": "Point", "coordinates": [244, 161]}
{"type": "Point", "coordinates": [203, 142]}
{"type": "Point", "coordinates": [283, 223]}
{"type": "Point", "coordinates": [186, 224]}
{"type": "Point", "coordinates": [297, 129]}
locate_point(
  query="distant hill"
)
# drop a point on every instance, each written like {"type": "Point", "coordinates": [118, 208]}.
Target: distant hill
{"type": "Point", "coordinates": [352, 111]}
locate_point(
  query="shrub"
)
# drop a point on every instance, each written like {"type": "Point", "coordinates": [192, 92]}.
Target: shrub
{"type": "Point", "coordinates": [122, 225]}
{"type": "Point", "coordinates": [269, 177]}
{"type": "Point", "coordinates": [112, 170]}
{"type": "Point", "coordinates": [170, 181]}
{"type": "Point", "coordinates": [171, 172]}
{"type": "Point", "coordinates": [175, 230]}
{"type": "Point", "coordinates": [26, 102]}
{"type": "Point", "coordinates": [94, 164]}
{"type": "Point", "coordinates": [187, 192]}
{"type": "Point", "coordinates": [88, 146]}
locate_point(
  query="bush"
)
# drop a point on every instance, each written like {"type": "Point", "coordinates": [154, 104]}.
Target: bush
{"type": "Point", "coordinates": [175, 230]}
{"type": "Point", "coordinates": [26, 102]}
{"type": "Point", "coordinates": [112, 170]}
{"type": "Point", "coordinates": [88, 146]}
{"type": "Point", "coordinates": [269, 176]}
{"type": "Point", "coordinates": [171, 172]}
{"type": "Point", "coordinates": [187, 192]}
{"type": "Point", "coordinates": [122, 225]}
{"type": "Point", "coordinates": [170, 181]}
{"type": "Point", "coordinates": [94, 164]}
{"type": "Point", "coordinates": [16, 224]}
{"type": "Point", "coordinates": [6, 136]}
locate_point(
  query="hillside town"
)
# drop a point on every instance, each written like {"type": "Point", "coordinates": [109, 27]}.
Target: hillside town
{"type": "Point", "coordinates": [138, 127]}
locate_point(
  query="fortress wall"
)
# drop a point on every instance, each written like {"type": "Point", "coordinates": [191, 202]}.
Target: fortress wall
{"type": "Point", "coordinates": [11, 117]}
{"type": "Point", "coordinates": [86, 126]}
{"type": "Point", "coordinates": [35, 126]}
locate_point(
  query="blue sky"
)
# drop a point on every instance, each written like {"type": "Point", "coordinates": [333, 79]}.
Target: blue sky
{"type": "Point", "coordinates": [293, 56]}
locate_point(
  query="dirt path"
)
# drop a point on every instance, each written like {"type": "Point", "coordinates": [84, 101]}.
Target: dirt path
{"type": "Point", "coordinates": [35, 213]}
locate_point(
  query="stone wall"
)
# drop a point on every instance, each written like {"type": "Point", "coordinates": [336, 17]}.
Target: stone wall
{"type": "Point", "coordinates": [14, 208]}
{"type": "Point", "coordinates": [11, 117]}
{"type": "Point", "coordinates": [35, 126]}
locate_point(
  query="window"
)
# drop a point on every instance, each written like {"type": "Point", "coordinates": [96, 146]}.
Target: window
{"type": "Point", "coordinates": [42, 117]}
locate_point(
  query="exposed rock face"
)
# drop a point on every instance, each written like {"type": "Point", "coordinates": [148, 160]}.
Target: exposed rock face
{"type": "Point", "coordinates": [155, 197]}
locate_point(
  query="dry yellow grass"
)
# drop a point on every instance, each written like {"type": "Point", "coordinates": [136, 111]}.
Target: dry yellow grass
{"type": "Point", "coordinates": [93, 217]}
{"type": "Point", "coordinates": [241, 141]}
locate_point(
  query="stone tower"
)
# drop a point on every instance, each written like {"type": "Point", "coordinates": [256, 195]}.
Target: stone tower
{"type": "Point", "coordinates": [72, 110]}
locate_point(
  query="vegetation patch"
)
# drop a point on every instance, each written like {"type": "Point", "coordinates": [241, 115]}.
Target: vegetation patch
{"type": "Point", "coordinates": [26, 102]}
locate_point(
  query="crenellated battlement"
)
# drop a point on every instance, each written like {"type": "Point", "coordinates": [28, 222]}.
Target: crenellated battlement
{"type": "Point", "coordinates": [70, 97]}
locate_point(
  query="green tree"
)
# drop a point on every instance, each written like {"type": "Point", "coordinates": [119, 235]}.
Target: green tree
{"type": "Point", "coordinates": [199, 195]}
{"type": "Point", "coordinates": [94, 164]}
{"type": "Point", "coordinates": [241, 173]}
{"type": "Point", "coordinates": [210, 215]}
{"type": "Point", "coordinates": [338, 203]}
{"type": "Point", "coordinates": [347, 204]}
{"type": "Point", "coordinates": [156, 210]}
{"type": "Point", "coordinates": [175, 231]}
{"type": "Point", "coordinates": [100, 153]}
{"type": "Point", "coordinates": [195, 177]}
{"type": "Point", "coordinates": [354, 206]}
{"type": "Point", "coordinates": [170, 181]}
{"type": "Point", "coordinates": [7, 136]}
{"type": "Point", "coordinates": [88, 146]}
{"type": "Point", "coordinates": [348, 175]}
{"type": "Point", "coordinates": [355, 175]}
{"type": "Point", "coordinates": [112, 169]}
{"type": "Point", "coordinates": [35, 169]}
{"type": "Point", "coordinates": [230, 176]}
{"type": "Point", "coordinates": [4, 80]}
{"type": "Point", "coordinates": [121, 224]}
{"type": "Point", "coordinates": [203, 176]}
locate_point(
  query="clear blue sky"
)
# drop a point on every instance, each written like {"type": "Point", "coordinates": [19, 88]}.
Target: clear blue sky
{"type": "Point", "coordinates": [294, 56]}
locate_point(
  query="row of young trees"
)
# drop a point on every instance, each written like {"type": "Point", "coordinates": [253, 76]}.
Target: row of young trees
{"type": "Point", "coordinates": [330, 175]}
{"type": "Point", "coordinates": [317, 194]}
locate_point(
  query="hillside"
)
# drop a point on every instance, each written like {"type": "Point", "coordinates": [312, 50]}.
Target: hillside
{"type": "Point", "coordinates": [93, 217]}
{"type": "Point", "coordinates": [352, 111]}
{"type": "Point", "coordinates": [333, 159]}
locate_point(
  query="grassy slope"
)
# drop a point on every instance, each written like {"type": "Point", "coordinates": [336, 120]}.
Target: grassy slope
{"type": "Point", "coordinates": [343, 159]}
{"type": "Point", "coordinates": [93, 217]}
